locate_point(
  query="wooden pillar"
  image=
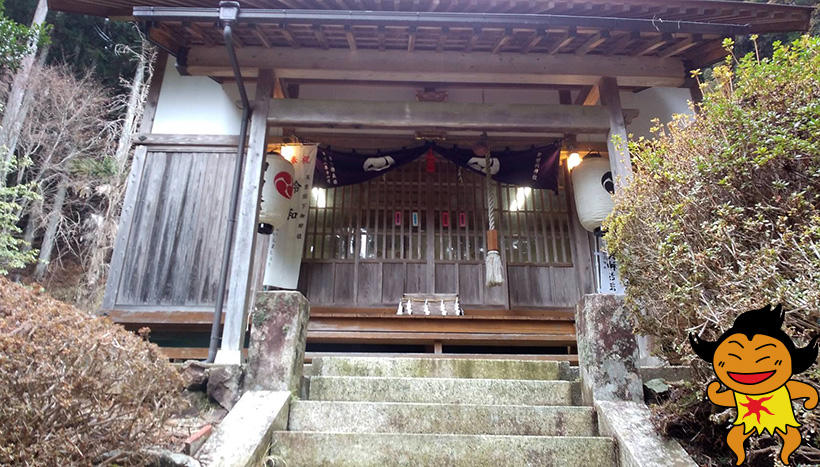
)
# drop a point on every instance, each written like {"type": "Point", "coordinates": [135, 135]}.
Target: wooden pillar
{"type": "Point", "coordinates": [581, 252]}
{"type": "Point", "coordinates": [616, 141]}
{"type": "Point", "coordinates": [241, 288]}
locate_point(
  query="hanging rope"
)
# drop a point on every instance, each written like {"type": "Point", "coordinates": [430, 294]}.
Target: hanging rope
{"type": "Point", "coordinates": [495, 276]}
{"type": "Point", "coordinates": [492, 200]}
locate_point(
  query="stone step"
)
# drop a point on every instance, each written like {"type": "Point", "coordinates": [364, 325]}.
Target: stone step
{"type": "Point", "coordinates": [441, 390]}
{"type": "Point", "coordinates": [431, 450]}
{"type": "Point", "coordinates": [440, 368]}
{"type": "Point", "coordinates": [390, 417]}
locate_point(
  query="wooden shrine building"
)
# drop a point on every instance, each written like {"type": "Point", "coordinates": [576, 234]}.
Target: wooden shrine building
{"type": "Point", "coordinates": [371, 77]}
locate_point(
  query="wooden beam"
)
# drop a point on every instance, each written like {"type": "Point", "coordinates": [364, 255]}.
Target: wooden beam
{"type": "Point", "coordinates": [411, 39]}
{"type": "Point", "coordinates": [320, 36]}
{"type": "Point", "coordinates": [442, 39]}
{"type": "Point", "coordinates": [351, 38]}
{"type": "Point", "coordinates": [616, 142]}
{"type": "Point", "coordinates": [592, 43]}
{"type": "Point", "coordinates": [474, 37]}
{"type": "Point", "coordinates": [440, 67]}
{"type": "Point", "coordinates": [534, 41]}
{"type": "Point", "coordinates": [442, 115]}
{"type": "Point", "coordinates": [508, 35]}
{"type": "Point", "coordinates": [562, 41]}
{"type": "Point", "coordinates": [706, 54]}
{"type": "Point", "coordinates": [590, 95]}
{"type": "Point", "coordinates": [240, 288]}
{"type": "Point", "coordinates": [197, 30]}
{"type": "Point", "coordinates": [655, 44]}
{"type": "Point", "coordinates": [148, 139]}
{"type": "Point", "coordinates": [623, 43]}
{"type": "Point", "coordinates": [283, 30]}
{"type": "Point", "coordinates": [278, 88]}
{"type": "Point", "coordinates": [681, 47]}
{"type": "Point", "coordinates": [380, 33]}
{"type": "Point", "coordinates": [263, 38]}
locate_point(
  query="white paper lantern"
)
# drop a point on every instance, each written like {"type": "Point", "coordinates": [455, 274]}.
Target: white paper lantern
{"type": "Point", "coordinates": [277, 192]}
{"type": "Point", "coordinates": [593, 185]}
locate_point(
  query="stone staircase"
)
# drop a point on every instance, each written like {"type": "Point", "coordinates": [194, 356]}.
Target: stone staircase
{"type": "Point", "coordinates": [365, 411]}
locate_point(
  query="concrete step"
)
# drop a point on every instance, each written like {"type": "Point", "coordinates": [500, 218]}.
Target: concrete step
{"type": "Point", "coordinates": [389, 417]}
{"type": "Point", "coordinates": [441, 390]}
{"type": "Point", "coordinates": [440, 368]}
{"type": "Point", "coordinates": [430, 450]}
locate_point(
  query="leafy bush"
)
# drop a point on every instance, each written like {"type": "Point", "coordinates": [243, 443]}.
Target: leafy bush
{"type": "Point", "coordinates": [76, 389]}
{"type": "Point", "coordinates": [723, 215]}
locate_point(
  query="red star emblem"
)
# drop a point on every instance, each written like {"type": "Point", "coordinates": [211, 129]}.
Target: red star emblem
{"type": "Point", "coordinates": [756, 406]}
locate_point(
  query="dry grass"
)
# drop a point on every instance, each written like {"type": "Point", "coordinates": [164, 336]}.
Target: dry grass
{"type": "Point", "coordinates": [77, 389]}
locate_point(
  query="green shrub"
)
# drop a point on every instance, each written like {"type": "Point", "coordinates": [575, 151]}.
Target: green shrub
{"type": "Point", "coordinates": [77, 389]}
{"type": "Point", "coordinates": [723, 215]}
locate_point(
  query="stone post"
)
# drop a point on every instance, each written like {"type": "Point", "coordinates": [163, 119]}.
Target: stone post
{"type": "Point", "coordinates": [277, 348]}
{"type": "Point", "coordinates": [607, 350]}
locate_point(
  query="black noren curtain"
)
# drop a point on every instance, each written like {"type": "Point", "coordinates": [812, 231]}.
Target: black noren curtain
{"type": "Point", "coordinates": [536, 167]}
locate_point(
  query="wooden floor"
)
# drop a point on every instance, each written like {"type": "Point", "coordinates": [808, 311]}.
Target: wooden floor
{"type": "Point", "coordinates": [486, 333]}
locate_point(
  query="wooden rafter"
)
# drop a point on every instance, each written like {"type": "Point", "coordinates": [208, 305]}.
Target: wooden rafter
{"type": "Point", "coordinates": [654, 44]}
{"type": "Point", "coordinates": [681, 46]}
{"type": "Point", "coordinates": [536, 39]}
{"type": "Point", "coordinates": [263, 38]}
{"type": "Point", "coordinates": [320, 36]}
{"type": "Point", "coordinates": [505, 39]}
{"type": "Point", "coordinates": [351, 38]}
{"type": "Point", "coordinates": [592, 43]}
{"type": "Point", "coordinates": [763, 17]}
{"type": "Point", "coordinates": [564, 40]}
{"type": "Point", "coordinates": [283, 31]}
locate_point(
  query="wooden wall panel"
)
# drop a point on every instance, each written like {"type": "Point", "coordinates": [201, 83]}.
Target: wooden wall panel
{"type": "Point", "coordinates": [520, 285]}
{"type": "Point", "coordinates": [470, 284]}
{"type": "Point", "coordinates": [343, 290]}
{"type": "Point", "coordinates": [540, 286]}
{"type": "Point", "coordinates": [446, 278]}
{"type": "Point", "coordinates": [174, 250]}
{"type": "Point", "coordinates": [565, 287]}
{"type": "Point", "coordinates": [393, 280]}
{"type": "Point", "coordinates": [494, 296]}
{"type": "Point", "coordinates": [320, 283]}
{"type": "Point", "coordinates": [416, 279]}
{"type": "Point", "coordinates": [369, 284]}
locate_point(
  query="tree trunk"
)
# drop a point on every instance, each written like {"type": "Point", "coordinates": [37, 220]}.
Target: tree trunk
{"type": "Point", "coordinates": [132, 113]}
{"type": "Point", "coordinates": [14, 135]}
{"type": "Point", "coordinates": [12, 121]}
{"type": "Point", "coordinates": [54, 218]}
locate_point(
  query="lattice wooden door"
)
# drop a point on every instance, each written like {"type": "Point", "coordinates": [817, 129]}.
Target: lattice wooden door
{"type": "Point", "coordinates": [412, 230]}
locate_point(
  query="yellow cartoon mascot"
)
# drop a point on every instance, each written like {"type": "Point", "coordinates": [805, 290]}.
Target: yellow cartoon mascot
{"type": "Point", "coordinates": [755, 359]}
